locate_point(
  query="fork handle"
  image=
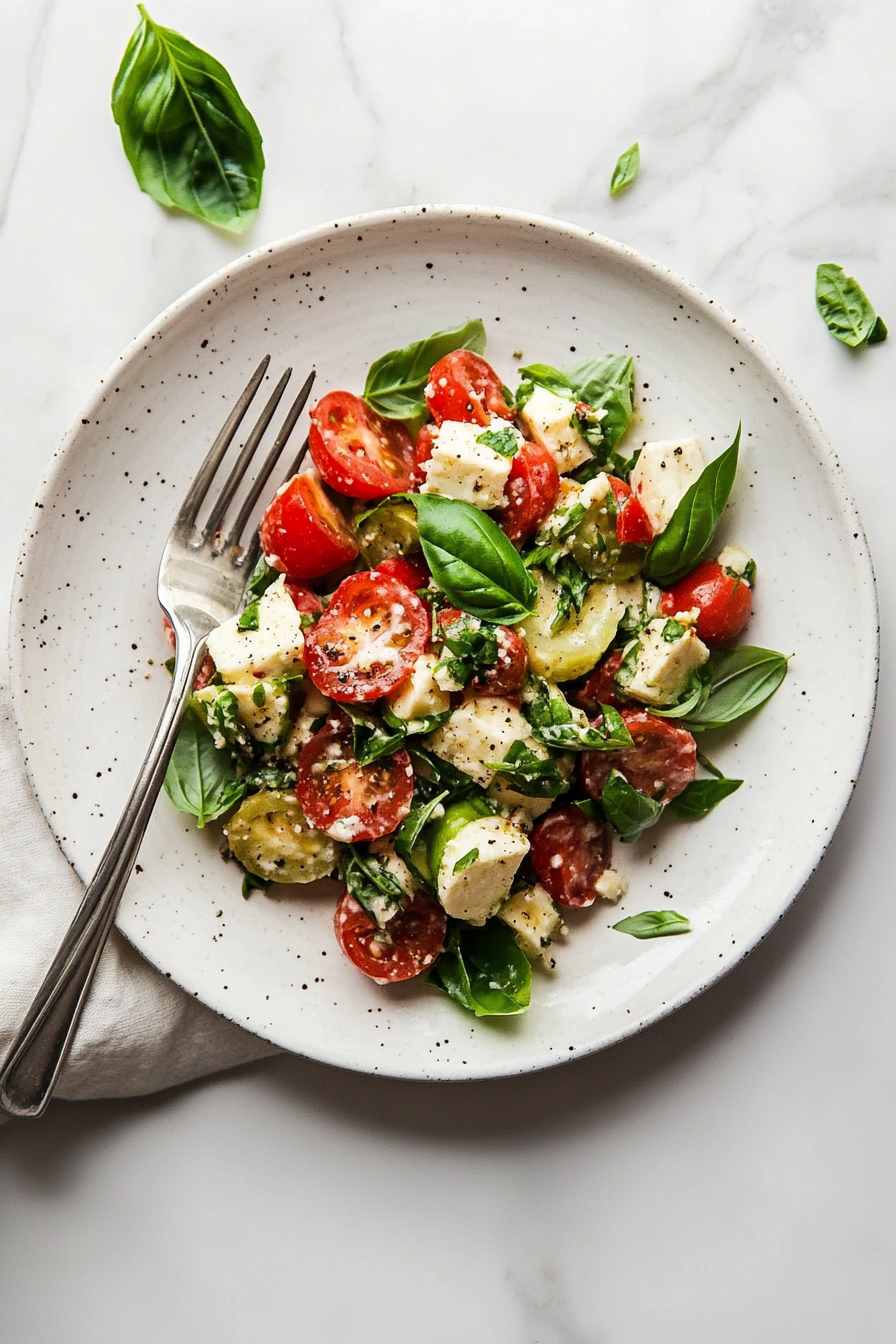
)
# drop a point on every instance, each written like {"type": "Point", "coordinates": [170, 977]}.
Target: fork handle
{"type": "Point", "coordinates": [33, 1063]}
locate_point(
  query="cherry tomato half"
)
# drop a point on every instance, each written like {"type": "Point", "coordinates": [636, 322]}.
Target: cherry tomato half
{"type": "Point", "coordinates": [725, 602]}
{"type": "Point", "coordinates": [462, 386]}
{"type": "Point", "coordinates": [423, 451]}
{"type": "Point", "coordinates": [368, 639]}
{"type": "Point", "coordinates": [570, 853]}
{"type": "Point", "coordinates": [509, 672]}
{"type": "Point", "coordinates": [661, 762]}
{"type": "Point", "coordinates": [344, 799]}
{"type": "Point", "coordinates": [357, 451]}
{"type": "Point", "coordinates": [600, 688]}
{"type": "Point", "coordinates": [632, 523]}
{"type": "Point", "coordinates": [407, 946]}
{"type": "Point", "coordinates": [531, 492]}
{"type": "Point", "coordinates": [303, 599]}
{"type": "Point", "coordinates": [411, 570]}
{"type": "Point", "coordinates": [303, 534]}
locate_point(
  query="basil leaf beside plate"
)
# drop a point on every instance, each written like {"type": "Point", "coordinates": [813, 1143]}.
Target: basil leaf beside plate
{"type": "Point", "coordinates": [484, 970]}
{"type": "Point", "coordinates": [628, 165]}
{"type": "Point", "coordinates": [701, 796]}
{"type": "Point", "coordinates": [473, 562]}
{"type": "Point", "coordinates": [654, 924]}
{"type": "Point", "coordinates": [741, 680]}
{"type": "Point", "coordinates": [191, 141]}
{"type": "Point", "coordinates": [628, 811]}
{"type": "Point", "coordinates": [692, 526]}
{"type": "Point", "coordinates": [395, 381]}
{"type": "Point", "coordinates": [200, 779]}
{"type": "Point", "coordinates": [846, 309]}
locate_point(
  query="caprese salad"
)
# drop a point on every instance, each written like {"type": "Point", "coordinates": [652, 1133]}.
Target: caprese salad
{"type": "Point", "coordinates": [482, 643]}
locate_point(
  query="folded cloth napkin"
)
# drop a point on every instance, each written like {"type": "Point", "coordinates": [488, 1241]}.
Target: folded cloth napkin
{"type": "Point", "coordinates": [139, 1032]}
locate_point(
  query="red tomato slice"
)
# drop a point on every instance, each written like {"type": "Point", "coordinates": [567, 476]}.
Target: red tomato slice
{"type": "Point", "coordinates": [661, 761]}
{"type": "Point", "coordinates": [423, 451]}
{"type": "Point", "coordinates": [600, 688]}
{"type": "Point", "coordinates": [531, 492]}
{"type": "Point", "coordinates": [303, 599]}
{"type": "Point", "coordinates": [357, 451]}
{"type": "Point", "coordinates": [570, 853]}
{"type": "Point", "coordinates": [725, 603]}
{"type": "Point", "coordinates": [407, 946]}
{"type": "Point", "coordinates": [462, 386]}
{"type": "Point", "coordinates": [303, 534]}
{"type": "Point", "coordinates": [368, 639]}
{"type": "Point", "coordinates": [411, 570]}
{"type": "Point", "coordinates": [345, 800]}
{"type": "Point", "coordinates": [509, 672]}
{"type": "Point", "coordinates": [632, 523]}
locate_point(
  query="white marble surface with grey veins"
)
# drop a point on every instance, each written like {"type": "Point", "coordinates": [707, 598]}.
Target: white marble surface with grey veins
{"type": "Point", "coordinates": [727, 1175]}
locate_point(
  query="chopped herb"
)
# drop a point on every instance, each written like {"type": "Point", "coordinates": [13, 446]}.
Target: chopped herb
{"type": "Point", "coordinates": [673, 631]}
{"type": "Point", "coordinates": [252, 883]}
{"type": "Point", "coordinates": [471, 857]}
{"type": "Point", "coordinates": [503, 441]}
{"type": "Point", "coordinates": [530, 774]}
{"type": "Point", "coordinates": [249, 619]}
{"type": "Point", "coordinates": [259, 695]}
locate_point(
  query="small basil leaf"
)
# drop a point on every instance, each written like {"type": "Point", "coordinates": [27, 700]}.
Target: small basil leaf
{"type": "Point", "coordinates": [370, 882]}
{"type": "Point", "coordinates": [691, 699]}
{"type": "Point", "coordinates": [555, 724]}
{"type": "Point", "coordinates": [200, 779]}
{"type": "Point", "coordinates": [608, 385]}
{"type": "Point", "coordinates": [269, 777]}
{"type": "Point", "coordinates": [845, 308]}
{"type": "Point", "coordinates": [543, 375]}
{"type": "Point", "coordinates": [395, 381]}
{"type": "Point", "coordinates": [701, 796]}
{"type": "Point", "coordinates": [503, 441]}
{"type": "Point", "coordinates": [484, 970]}
{"type": "Point", "coordinates": [692, 526]}
{"type": "Point", "coordinates": [189, 137]}
{"type": "Point", "coordinates": [741, 680]}
{"type": "Point", "coordinates": [474, 645]}
{"type": "Point", "coordinates": [628, 165]}
{"type": "Point", "coordinates": [263, 575]}
{"type": "Point", "coordinates": [432, 776]}
{"type": "Point", "coordinates": [630, 812]}
{"type": "Point", "coordinates": [654, 924]}
{"type": "Point", "coordinates": [530, 774]}
{"type": "Point", "coordinates": [473, 562]}
{"type": "Point", "coordinates": [416, 727]}
{"type": "Point", "coordinates": [370, 741]}
{"type": "Point", "coordinates": [249, 619]}
{"type": "Point", "coordinates": [252, 883]}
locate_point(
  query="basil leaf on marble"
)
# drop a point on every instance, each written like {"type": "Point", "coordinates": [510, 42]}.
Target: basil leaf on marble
{"type": "Point", "coordinates": [628, 811]}
{"type": "Point", "coordinates": [846, 309]}
{"type": "Point", "coordinates": [189, 137]}
{"type": "Point", "coordinates": [484, 970]}
{"type": "Point", "coordinates": [473, 562]}
{"type": "Point", "coordinates": [701, 796]}
{"type": "Point", "coordinates": [200, 779]}
{"type": "Point", "coordinates": [741, 680]}
{"type": "Point", "coordinates": [628, 165]}
{"type": "Point", "coordinates": [690, 531]}
{"type": "Point", "coordinates": [395, 381]}
{"type": "Point", "coordinates": [654, 924]}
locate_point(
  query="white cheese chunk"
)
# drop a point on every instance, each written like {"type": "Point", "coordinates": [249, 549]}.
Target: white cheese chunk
{"type": "Point", "coordinates": [275, 649]}
{"type": "Point", "coordinates": [508, 797]}
{"type": "Point", "coordinates": [662, 476]}
{"type": "Point", "coordinates": [735, 560]}
{"type": "Point", "coordinates": [266, 722]}
{"type": "Point", "coordinates": [611, 885]}
{"type": "Point", "coordinates": [534, 918]}
{"type": "Point", "coordinates": [461, 468]}
{"type": "Point", "coordinates": [550, 421]}
{"type": "Point", "coordinates": [641, 599]}
{"type": "Point", "coordinates": [420, 695]}
{"type": "Point", "coordinates": [664, 667]}
{"type": "Point", "coordinates": [484, 881]}
{"type": "Point", "coordinates": [481, 730]}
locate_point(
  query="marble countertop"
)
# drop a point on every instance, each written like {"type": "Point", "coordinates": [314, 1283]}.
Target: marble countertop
{"type": "Point", "coordinates": [727, 1175]}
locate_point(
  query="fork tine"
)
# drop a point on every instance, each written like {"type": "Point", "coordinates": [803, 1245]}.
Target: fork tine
{"type": "Point", "coordinates": [247, 452]}
{"type": "Point", "coordinates": [186, 517]}
{"type": "Point", "coordinates": [296, 462]}
{"type": "Point", "coordinates": [270, 461]}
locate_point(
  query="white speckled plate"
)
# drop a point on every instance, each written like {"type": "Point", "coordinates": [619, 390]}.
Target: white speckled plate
{"type": "Point", "coordinates": [88, 648]}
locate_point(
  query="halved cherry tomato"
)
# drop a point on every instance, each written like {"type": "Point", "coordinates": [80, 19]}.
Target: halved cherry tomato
{"type": "Point", "coordinates": [303, 534]}
{"type": "Point", "coordinates": [462, 386]}
{"type": "Point", "coordinates": [725, 602]}
{"type": "Point", "coordinates": [570, 853]}
{"type": "Point", "coordinates": [357, 451]}
{"type": "Point", "coordinates": [407, 946]}
{"type": "Point", "coordinates": [303, 599]}
{"type": "Point", "coordinates": [423, 451]}
{"type": "Point", "coordinates": [411, 570]}
{"type": "Point", "coordinates": [531, 492]}
{"type": "Point", "coordinates": [345, 800]}
{"type": "Point", "coordinates": [632, 523]}
{"type": "Point", "coordinates": [661, 762]}
{"type": "Point", "coordinates": [600, 688]}
{"type": "Point", "coordinates": [368, 639]}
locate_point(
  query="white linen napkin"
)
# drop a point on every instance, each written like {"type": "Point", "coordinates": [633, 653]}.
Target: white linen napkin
{"type": "Point", "coordinates": [139, 1032]}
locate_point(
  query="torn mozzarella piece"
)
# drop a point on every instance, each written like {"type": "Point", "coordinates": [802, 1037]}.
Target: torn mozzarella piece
{"type": "Point", "coordinates": [275, 649]}
{"type": "Point", "coordinates": [482, 882]}
{"type": "Point", "coordinates": [663, 474]}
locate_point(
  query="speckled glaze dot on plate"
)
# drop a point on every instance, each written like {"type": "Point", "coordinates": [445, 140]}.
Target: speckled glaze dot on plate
{"type": "Point", "coordinates": [88, 649]}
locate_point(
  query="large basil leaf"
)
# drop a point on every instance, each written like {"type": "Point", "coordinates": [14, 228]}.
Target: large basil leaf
{"type": "Point", "coordinates": [654, 924]}
{"type": "Point", "coordinates": [693, 524]}
{"type": "Point", "coordinates": [484, 970]}
{"type": "Point", "coordinates": [607, 384]}
{"type": "Point", "coordinates": [630, 812]}
{"type": "Point", "coordinates": [200, 779]}
{"type": "Point", "coordinates": [628, 165]}
{"type": "Point", "coordinates": [741, 680]}
{"type": "Point", "coordinates": [701, 796]}
{"type": "Point", "coordinates": [555, 723]}
{"type": "Point", "coordinates": [396, 380]}
{"type": "Point", "coordinates": [473, 562]}
{"type": "Point", "coordinates": [846, 309]}
{"type": "Point", "coordinates": [188, 136]}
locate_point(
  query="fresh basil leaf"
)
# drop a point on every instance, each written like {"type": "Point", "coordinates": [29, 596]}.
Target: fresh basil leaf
{"type": "Point", "coordinates": [475, 647]}
{"type": "Point", "coordinates": [591, 809]}
{"type": "Point", "coordinates": [484, 970]}
{"type": "Point", "coordinates": [741, 680]}
{"type": "Point", "coordinates": [503, 441]}
{"type": "Point", "coordinates": [259, 696]}
{"type": "Point", "coordinates": [432, 776]}
{"type": "Point", "coordinates": [370, 741]}
{"type": "Point", "coordinates": [533, 775]}
{"type": "Point", "coordinates": [574, 584]}
{"type": "Point", "coordinates": [701, 796]}
{"type": "Point", "coordinates": [630, 812]}
{"type": "Point", "coordinates": [249, 619]}
{"type": "Point", "coordinates": [478, 569]}
{"type": "Point", "coordinates": [189, 137]}
{"type": "Point", "coordinates": [416, 727]}
{"type": "Point", "coordinates": [408, 835]}
{"type": "Point", "coordinates": [263, 575]}
{"type": "Point", "coordinates": [654, 924]}
{"type": "Point", "coordinates": [543, 375]}
{"type": "Point", "coordinates": [628, 165]}
{"type": "Point", "coordinates": [672, 631]}
{"type": "Point", "coordinates": [691, 699]}
{"type": "Point", "coordinates": [269, 777]}
{"type": "Point", "coordinates": [200, 779]}
{"type": "Point", "coordinates": [708, 765]}
{"type": "Point", "coordinates": [846, 309]}
{"type": "Point", "coordinates": [607, 385]}
{"type": "Point", "coordinates": [220, 713]}
{"type": "Point", "coordinates": [370, 882]}
{"type": "Point", "coordinates": [556, 724]}
{"type": "Point", "coordinates": [252, 883]}
{"type": "Point", "coordinates": [395, 381]}
{"type": "Point", "coordinates": [692, 526]}
{"type": "Point", "coordinates": [465, 860]}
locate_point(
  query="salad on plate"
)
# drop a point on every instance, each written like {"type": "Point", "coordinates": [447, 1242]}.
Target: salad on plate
{"type": "Point", "coordinates": [477, 659]}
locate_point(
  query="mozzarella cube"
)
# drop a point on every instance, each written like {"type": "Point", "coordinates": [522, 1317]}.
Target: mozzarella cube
{"type": "Point", "coordinates": [611, 885]}
{"type": "Point", "coordinates": [550, 420]}
{"type": "Point", "coordinates": [735, 560]}
{"type": "Point", "coordinates": [510, 798]}
{"type": "Point", "coordinates": [461, 468]}
{"type": "Point", "coordinates": [483, 882]}
{"type": "Point", "coordinates": [482, 729]}
{"type": "Point", "coordinates": [664, 667]}
{"type": "Point", "coordinates": [534, 918]}
{"type": "Point", "coordinates": [275, 649]}
{"type": "Point", "coordinates": [662, 476]}
{"type": "Point", "coordinates": [266, 722]}
{"type": "Point", "coordinates": [420, 695]}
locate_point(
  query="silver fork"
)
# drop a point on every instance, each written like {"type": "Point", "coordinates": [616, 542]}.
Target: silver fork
{"type": "Point", "coordinates": [202, 581]}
